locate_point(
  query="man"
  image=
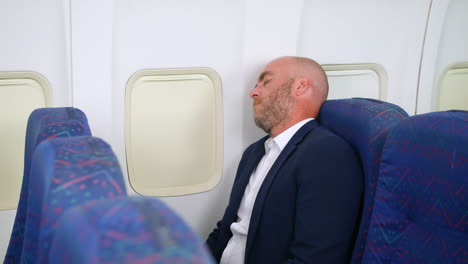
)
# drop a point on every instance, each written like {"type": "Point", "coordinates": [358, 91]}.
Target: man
{"type": "Point", "coordinates": [296, 195]}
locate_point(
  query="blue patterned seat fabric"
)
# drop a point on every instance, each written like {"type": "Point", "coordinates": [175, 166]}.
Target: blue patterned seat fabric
{"type": "Point", "coordinates": [66, 172]}
{"type": "Point", "coordinates": [125, 230]}
{"type": "Point", "coordinates": [43, 124]}
{"type": "Point", "coordinates": [420, 212]}
{"type": "Point", "coordinates": [364, 123]}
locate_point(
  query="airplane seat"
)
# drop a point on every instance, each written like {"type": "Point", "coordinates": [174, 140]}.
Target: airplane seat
{"type": "Point", "coordinates": [125, 230]}
{"type": "Point", "coordinates": [420, 210]}
{"type": "Point", "coordinates": [66, 172]}
{"type": "Point", "coordinates": [43, 124]}
{"type": "Point", "coordinates": [364, 124]}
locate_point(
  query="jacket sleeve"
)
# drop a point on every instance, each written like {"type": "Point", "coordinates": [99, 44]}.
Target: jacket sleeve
{"type": "Point", "coordinates": [212, 241]}
{"type": "Point", "coordinates": [329, 190]}
{"type": "Point", "coordinates": [218, 238]}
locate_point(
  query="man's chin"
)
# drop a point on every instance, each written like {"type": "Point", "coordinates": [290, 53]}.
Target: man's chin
{"type": "Point", "coordinates": [262, 126]}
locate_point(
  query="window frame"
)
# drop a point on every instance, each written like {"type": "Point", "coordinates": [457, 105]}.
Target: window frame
{"type": "Point", "coordinates": [377, 68]}
{"type": "Point", "coordinates": [9, 204]}
{"type": "Point", "coordinates": [442, 78]}
{"type": "Point", "coordinates": [214, 179]}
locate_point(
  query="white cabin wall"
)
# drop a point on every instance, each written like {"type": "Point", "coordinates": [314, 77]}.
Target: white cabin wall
{"type": "Point", "coordinates": [34, 38]}
{"type": "Point", "coordinates": [91, 60]}
{"type": "Point", "coordinates": [387, 32]}
{"type": "Point", "coordinates": [271, 30]}
{"type": "Point", "coordinates": [454, 39]}
{"type": "Point", "coordinates": [435, 28]}
{"type": "Point", "coordinates": [447, 44]}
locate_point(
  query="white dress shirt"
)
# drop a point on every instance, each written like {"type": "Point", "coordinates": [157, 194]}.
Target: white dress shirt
{"type": "Point", "coordinates": [234, 252]}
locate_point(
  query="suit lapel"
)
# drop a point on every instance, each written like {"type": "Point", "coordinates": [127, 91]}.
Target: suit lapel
{"type": "Point", "coordinates": [263, 192]}
{"type": "Point", "coordinates": [244, 177]}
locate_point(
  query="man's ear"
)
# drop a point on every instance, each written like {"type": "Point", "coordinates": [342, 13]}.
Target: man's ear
{"type": "Point", "coordinates": [302, 86]}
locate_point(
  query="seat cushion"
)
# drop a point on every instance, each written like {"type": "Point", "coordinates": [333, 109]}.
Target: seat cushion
{"type": "Point", "coordinates": [420, 210]}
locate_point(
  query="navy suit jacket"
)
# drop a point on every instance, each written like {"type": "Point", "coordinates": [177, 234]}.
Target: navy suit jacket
{"type": "Point", "coordinates": [307, 208]}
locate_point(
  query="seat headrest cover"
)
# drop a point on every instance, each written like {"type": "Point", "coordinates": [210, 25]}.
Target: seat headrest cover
{"type": "Point", "coordinates": [43, 124]}
{"type": "Point", "coordinates": [420, 207]}
{"type": "Point", "coordinates": [364, 123]}
{"type": "Point", "coordinates": [66, 172]}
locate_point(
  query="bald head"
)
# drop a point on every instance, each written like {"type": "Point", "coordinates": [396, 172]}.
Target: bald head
{"type": "Point", "coordinates": [308, 68]}
{"type": "Point", "coordinates": [289, 89]}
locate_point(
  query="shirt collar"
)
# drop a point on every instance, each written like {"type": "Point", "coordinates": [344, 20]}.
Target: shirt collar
{"type": "Point", "coordinates": [282, 139]}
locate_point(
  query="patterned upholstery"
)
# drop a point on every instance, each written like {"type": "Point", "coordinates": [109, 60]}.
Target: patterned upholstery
{"type": "Point", "coordinates": [125, 230]}
{"type": "Point", "coordinates": [364, 123]}
{"type": "Point", "coordinates": [66, 172]}
{"type": "Point", "coordinates": [421, 205]}
{"type": "Point", "coordinates": [43, 124]}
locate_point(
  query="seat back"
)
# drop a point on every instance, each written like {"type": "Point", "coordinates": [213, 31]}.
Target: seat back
{"type": "Point", "coordinates": [43, 124]}
{"type": "Point", "coordinates": [66, 172]}
{"type": "Point", "coordinates": [420, 210]}
{"type": "Point", "coordinates": [125, 230]}
{"type": "Point", "coordinates": [364, 123]}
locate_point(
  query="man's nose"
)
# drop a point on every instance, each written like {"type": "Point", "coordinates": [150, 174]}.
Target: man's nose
{"type": "Point", "coordinates": [254, 93]}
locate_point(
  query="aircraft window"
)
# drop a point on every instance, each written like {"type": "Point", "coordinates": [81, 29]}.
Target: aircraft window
{"type": "Point", "coordinates": [174, 131]}
{"type": "Point", "coordinates": [453, 88]}
{"type": "Point", "coordinates": [21, 93]}
{"type": "Point", "coordinates": [356, 80]}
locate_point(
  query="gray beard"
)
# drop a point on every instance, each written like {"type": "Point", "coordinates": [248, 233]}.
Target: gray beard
{"type": "Point", "coordinates": [277, 110]}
